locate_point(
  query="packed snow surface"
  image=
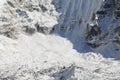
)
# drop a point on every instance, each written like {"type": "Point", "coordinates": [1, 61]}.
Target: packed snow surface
{"type": "Point", "coordinates": [41, 57]}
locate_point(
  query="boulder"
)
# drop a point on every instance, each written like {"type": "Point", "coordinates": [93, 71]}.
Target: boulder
{"type": "Point", "coordinates": [43, 8]}
{"type": "Point", "coordinates": [101, 12]}
{"type": "Point", "coordinates": [44, 29]}
{"type": "Point", "coordinates": [22, 13]}
{"type": "Point", "coordinates": [10, 4]}
{"type": "Point", "coordinates": [29, 30]}
{"type": "Point", "coordinates": [92, 35]}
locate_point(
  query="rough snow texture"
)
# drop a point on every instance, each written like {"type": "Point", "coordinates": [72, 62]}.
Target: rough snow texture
{"type": "Point", "coordinates": [51, 57]}
{"type": "Point", "coordinates": [27, 16]}
{"type": "Point", "coordinates": [29, 59]}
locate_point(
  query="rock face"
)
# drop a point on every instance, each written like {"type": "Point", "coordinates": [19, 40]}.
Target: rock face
{"type": "Point", "coordinates": [44, 29]}
{"type": "Point", "coordinates": [109, 22]}
{"type": "Point", "coordinates": [90, 25]}
{"type": "Point", "coordinates": [92, 35]}
{"type": "Point", "coordinates": [77, 16]}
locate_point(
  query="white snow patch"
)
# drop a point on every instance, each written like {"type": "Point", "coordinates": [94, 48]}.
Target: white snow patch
{"type": "Point", "coordinates": [39, 52]}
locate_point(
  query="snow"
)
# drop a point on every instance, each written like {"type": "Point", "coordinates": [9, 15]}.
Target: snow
{"type": "Point", "coordinates": [1, 3]}
{"type": "Point", "coordinates": [76, 15]}
{"type": "Point", "coordinates": [39, 52]}
{"type": "Point", "coordinates": [52, 57]}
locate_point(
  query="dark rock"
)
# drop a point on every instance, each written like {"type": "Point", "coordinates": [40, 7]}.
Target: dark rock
{"type": "Point", "coordinates": [20, 0]}
{"type": "Point", "coordinates": [93, 30]}
{"type": "Point", "coordinates": [64, 74]}
{"type": "Point", "coordinates": [43, 8]}
{"type": "Point", "coordinates": [44, 29]}
{"type": "Point", "coordinates": [36, 9]}
{"type": "Point", "coordinates": [31, 9]}
{"type": "Point", "coordinates": [117, 14]}
{"type": "Point", "coordinates": [93, 45]}
{"type": "Point", "coordinates": [10, 34]}
{"type": "Point", "coordinates": [63, 27]}
{"type": "Point", "coordinates": [22, 13]}
{"type": "Point", "coordinates": [101, 12]}
{"type": "Point", "coordinates": [37, 26]}
{"type": "Point", "coordinates": [93, 16]}
{"type": "Point", "coordinates": [11, 4]}
{"type": "Point", "coordinates": [117, 30]}
{"type": "Point", "coordinates": [93, 33]}
{"type": "Point", "coordinates": [117, 41]}
{"type": "Point", "coordinates": [29, 20]}
{"type": "Point", "coordinates": [107, 5]}
{"type": "Point", "coordinates": [29, 30]}
{"type": "Point", "coordinates": [18, 10]}
{"type": "Point", "coordinates": [117, 37]}
{"type": "Point", "coordinates": [80, 21]}
{"type": "Point", "coordinates": [118, 8]}
{"type": "Point", "coordinates": [117, 49]}
{"type": "Point", "coordinates": [3, 19]}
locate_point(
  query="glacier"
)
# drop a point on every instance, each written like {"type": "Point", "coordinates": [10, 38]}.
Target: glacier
{"type": "Point", "coordinates": [45, 40]}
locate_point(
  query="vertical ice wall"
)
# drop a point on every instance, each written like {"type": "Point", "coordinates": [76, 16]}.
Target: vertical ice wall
{"type": "Point", "coordinates": [75, 15]}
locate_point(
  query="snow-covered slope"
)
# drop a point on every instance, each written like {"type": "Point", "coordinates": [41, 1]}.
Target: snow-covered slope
{"type": "Point", "coordinates": [26, 53]}
{"type": "Point", "coordinates": [29, 16]}
{"type": "Point", "coordinates": [41, 57]}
